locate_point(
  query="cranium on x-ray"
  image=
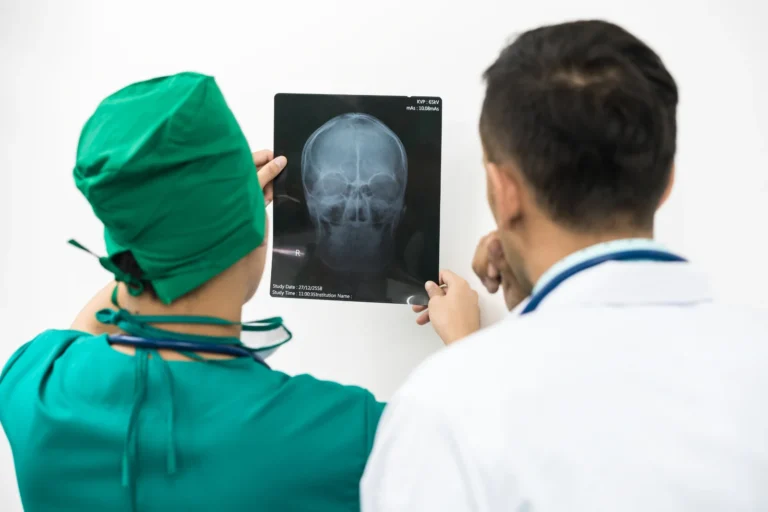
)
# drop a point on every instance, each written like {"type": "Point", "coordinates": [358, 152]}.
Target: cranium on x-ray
{"type": "Point", "coordinates": [354, 170]}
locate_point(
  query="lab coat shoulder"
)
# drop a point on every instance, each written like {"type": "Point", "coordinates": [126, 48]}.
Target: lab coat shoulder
{"type": "Point", "coordinates": [449, 377]}
{"type": "Point", "coordinates": [423, 457]}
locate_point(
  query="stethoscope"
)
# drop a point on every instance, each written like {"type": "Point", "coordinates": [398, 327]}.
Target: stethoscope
{"type": "Point", "coordinates": [629, 255]}
{"type": "Point", "coordinates": [533, 303]}
{"type": "Point", "coordinates": [186, 346]}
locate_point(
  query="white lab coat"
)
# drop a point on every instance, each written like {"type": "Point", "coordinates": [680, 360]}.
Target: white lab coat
{"type": "Point", "coordinates": [629, 389]}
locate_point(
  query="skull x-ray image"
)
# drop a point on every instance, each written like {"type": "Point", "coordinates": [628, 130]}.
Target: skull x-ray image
{"type": "Point", "coordinates": [354, 170]}
{"type": "Point", "coordinates": [357, 208]}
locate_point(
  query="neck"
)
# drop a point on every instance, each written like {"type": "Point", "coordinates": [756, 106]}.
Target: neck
{"type": "Point", "coordinates": [554, 244]}
{"type": "Point", "coordinates": [204, 302]}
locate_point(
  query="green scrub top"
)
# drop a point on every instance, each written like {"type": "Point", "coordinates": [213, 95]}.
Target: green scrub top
{"type": "Point", "coordinates": [244, 437]}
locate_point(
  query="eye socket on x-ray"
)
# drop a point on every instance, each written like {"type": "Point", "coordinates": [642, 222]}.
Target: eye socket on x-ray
{"type": "Point", "coordinates": [380, 185]}
{"type": "Point", "coordinates": [333, 184]}
{"type": "Point", "coordinates": [384, 186]}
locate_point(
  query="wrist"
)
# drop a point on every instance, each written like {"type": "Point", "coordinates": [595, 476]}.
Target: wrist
{"type": "Point", "coordinates": [459, 334]}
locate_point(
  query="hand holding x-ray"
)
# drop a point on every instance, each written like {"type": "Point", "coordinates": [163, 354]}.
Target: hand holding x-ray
{"type": "Point", "coordinates": [453, 308]}
{"type": "Point", "coordinates": [267, 169]}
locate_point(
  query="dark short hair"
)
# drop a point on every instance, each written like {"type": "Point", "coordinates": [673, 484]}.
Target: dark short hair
{"type": "Point", "coordinates": [587, 112]}
{"type": "Point", "coordinates": [126, 262]}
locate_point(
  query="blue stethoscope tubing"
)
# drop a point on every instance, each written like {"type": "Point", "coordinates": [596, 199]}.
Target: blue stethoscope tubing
{"type": "Point", "coordinates": [186, 346]}
{"type": "Point", "coordinates": [630, 255]}
{"type": "Point", "coordinates": [533, 303]}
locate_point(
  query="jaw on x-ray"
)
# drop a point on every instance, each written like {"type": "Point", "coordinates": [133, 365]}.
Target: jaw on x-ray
{"type": "Point", "coordinates": [354, 170]}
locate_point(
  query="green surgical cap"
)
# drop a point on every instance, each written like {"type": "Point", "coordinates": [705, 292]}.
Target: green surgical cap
{"type": "Point", "coordinates": [168, 171]}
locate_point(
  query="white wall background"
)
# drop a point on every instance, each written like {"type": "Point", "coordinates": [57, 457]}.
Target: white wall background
{"type": "Point", "coordinates": [59, 59]}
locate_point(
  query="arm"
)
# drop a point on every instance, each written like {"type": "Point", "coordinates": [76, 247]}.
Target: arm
{"type": "Point", "coordinates": [417, 464]}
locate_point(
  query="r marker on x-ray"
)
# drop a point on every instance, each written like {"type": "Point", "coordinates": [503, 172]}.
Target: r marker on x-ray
{"type": "Point", "coordinates": [357, 209]}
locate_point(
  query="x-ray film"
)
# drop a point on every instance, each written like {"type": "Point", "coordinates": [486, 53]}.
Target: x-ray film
{"type": "Point", "coordinates": [357, 208]}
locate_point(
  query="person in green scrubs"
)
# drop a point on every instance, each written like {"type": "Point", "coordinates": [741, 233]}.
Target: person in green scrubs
{"type": "Point", "coordinates": [100, 424]}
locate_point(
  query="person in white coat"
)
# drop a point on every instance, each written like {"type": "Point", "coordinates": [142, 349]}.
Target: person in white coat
{"type": "Point", "coordinates": [619, 381]}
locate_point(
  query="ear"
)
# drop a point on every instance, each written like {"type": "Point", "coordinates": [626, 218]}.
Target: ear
{"type": "Point", "coordinates": [503, 194]}
{"type": "Point", "coordinates": [668, 190]}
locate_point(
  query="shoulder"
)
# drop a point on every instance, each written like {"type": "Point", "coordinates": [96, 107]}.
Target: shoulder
{"type": "Point", "coordinates": [328, 390]}
{"type": "Point", "coordinates": [522, 359]}
{"type": "Point", "coordinates": [441, 423]}
{"type": "Point", "coordinates": [494, 365]}
{"type": "Point", "coordinates": [341, 395]}
{"type": "Point", "coordinates": [38, 351]}
{"type": "Point", "coordinates": [354, 407]}
{"type": "Point", "coordinates": [450, 373]}
{"type": "Point", "coordinates": [29, 366]}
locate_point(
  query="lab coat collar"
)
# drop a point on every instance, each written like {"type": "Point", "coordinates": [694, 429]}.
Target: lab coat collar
{"type": "Point", "coordinates": [595, 251]}
{"type": "Point", "coordinates": [629, 283]}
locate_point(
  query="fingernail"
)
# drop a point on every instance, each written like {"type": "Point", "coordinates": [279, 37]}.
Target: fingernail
{"type": "Point", "coordinates": [281, 161]}
{"type": "Point", "coordinates": [430, 286]}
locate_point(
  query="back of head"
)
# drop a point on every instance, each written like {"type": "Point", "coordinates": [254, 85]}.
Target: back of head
{"type": "Point", "coordinates": [586, 111]}
{"type": "Point", "coordinates": [167, 169]}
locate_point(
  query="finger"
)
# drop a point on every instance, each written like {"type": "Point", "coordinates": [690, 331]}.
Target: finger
{"type": "Point", "coordinates": [449, 279]}
{"type": "Point", "coordinates": [271, 170]}
{"type": "Point", "coordinates": [480, 259]}
{"type": "Point", "coordinates": [496, 256]}
{"type": "Point", "coordinates": [433, 290]}
{"type": "Point", "coordinates": [262, 157]}
{"type": "Point", "coordinates": [491, 285]}
{"type": "Point", "coordinates": [418, 309]}
{"type": "Point", "coordinates": [268, 193]}
{"type": "Point", "coordinates": [423, 319]}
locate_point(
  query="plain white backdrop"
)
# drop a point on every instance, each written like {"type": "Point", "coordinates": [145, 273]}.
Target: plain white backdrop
{"type": "Point", "coordinates": [59, 59]}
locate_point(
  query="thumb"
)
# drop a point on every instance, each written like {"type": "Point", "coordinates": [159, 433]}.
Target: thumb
{"type": "Point", "coordinates": [433, 290]}
{"type": "Point", "coordinates": [271, 170]}
{"type": "Point", "coordinates": [450, 279]}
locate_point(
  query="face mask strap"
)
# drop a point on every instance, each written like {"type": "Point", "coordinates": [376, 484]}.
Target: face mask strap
{"type": "Point", "coordinates": [276, 345]}
{"type": "Point", "coordinates": [140, 324]}
{"type": "Point", "coordinates": [267, 324]}
{"type": "Point", "coordinates": [135, 285]}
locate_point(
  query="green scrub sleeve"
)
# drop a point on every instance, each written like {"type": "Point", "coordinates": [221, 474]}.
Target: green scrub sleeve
{"type": "Point", "coordinates": [374, 412]}
{"type": "Point", "coordinates": [15, 357]}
